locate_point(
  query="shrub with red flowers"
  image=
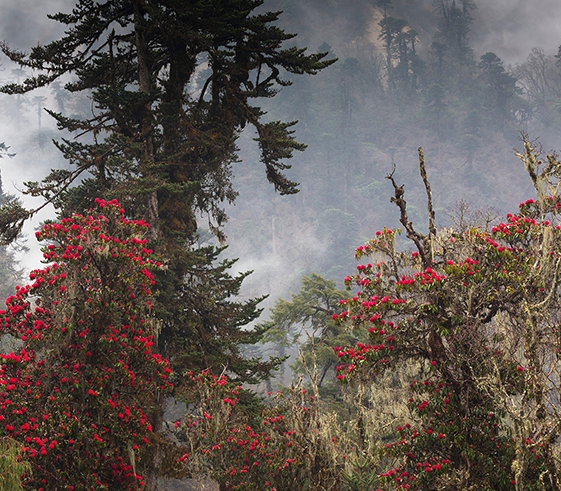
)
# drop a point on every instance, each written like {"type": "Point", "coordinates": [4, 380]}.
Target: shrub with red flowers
{"type": "Point", "coordinates": [290, 445]}
{"type": "Point", "coordinates": [477, 310]}
{"type": "Point", "coordinates": [79, 392]}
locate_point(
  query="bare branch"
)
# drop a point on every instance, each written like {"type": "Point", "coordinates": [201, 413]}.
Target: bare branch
{"type": "Point", "coordinates": [418, 239]}
{"type": "Point", "coordinates": [432, 226]}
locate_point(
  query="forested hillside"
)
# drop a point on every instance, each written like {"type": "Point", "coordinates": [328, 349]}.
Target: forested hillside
{"type": "Point", "coordinates": [466, 107]}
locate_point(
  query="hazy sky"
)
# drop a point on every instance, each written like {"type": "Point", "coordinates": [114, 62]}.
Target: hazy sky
{"type": "Point", "coordinates": [24, 23]}
{"type": "Point", "coordinates": [511, 28]}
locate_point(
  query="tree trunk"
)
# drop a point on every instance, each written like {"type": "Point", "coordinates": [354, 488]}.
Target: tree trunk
{"type": "Point", "coordinates": [146, 168]}
{"type": "Point", "coordinates": [144, 86]}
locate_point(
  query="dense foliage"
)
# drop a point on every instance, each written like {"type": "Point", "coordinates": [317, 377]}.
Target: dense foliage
{"type": "Point", "coordinates": [477, 310]}
{"type": "Point", "coordinates": [292, 445]}
{"type": "Point", "coordinates": [78, 392]}
{"type": "Point", "coordinates": [442, 370]}
{"type": "Point", "coordinates": [172, 85]}
{"type": "Point", "coordinates": [307, 319]}
{"type": "Point", "coordinates": [462, 332]}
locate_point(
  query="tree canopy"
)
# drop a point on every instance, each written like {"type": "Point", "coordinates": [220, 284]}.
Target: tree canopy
{"type": "Point", "coordinates": [172, 85]}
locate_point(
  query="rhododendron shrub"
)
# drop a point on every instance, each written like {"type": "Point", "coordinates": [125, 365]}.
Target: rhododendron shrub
{"type": "Point", "coordinates": [80, 392]}
{"type": "Point", "coordinates": [290, 445]}
{"type": "Point", "coordinates": [478, 311]}
{"type": "Point", "coordinates": [448, 413]}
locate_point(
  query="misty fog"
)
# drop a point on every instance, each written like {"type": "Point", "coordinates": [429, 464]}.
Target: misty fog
{"type": "Point", "coordinates": [344, 197]}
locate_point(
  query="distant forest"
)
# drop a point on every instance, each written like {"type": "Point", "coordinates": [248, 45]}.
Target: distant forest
{"type": "Point", "coordinates": [406, 76]}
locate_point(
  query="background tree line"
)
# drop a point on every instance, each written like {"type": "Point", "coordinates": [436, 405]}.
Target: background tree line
{"type": "Point", "coordinates": [420, 82]}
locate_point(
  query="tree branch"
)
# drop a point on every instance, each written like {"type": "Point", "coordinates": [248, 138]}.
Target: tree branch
{"type": "Point", "coordinates": [432, 226]}
{"type": "Point", "coordinates": [417, 238]}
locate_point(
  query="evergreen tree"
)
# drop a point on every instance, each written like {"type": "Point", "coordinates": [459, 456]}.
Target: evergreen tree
{"type": "Point", "coordinates": [386, 33]}
{"type": "Point", "coordinates": [175, 132]}
{"type": "Point", "coordinates": [453, 27]}
{"type": "Point", "coordinates": [163, 140]}
{"type": "Point", "coordinates": [392, 31]}
{"type": "Point", "coordinates": [501, 86]}
{"type": "Point", "coordinates": [10, 274]}
{"type": "Point", "coordinates": [307, 318]}
{"type": "Point", "coordinates": [399, 42]}
{"type": "Point", "coordinates": [409, 66]}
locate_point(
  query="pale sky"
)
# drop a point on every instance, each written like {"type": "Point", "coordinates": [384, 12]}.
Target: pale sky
{"type": "Point", "coordinates": [511, 28]}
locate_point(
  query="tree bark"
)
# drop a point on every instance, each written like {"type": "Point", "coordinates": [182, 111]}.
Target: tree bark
{"type": "Point", "coordinates": [144, 86]}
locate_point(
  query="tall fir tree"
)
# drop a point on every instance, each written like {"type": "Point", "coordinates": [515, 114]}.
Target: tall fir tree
{"type": "Point", "coordinates": [453, 27]}
{"type": "Point", "coordinates": [172, 85]}
{"type": "Point", "coordinates": [10, 272]}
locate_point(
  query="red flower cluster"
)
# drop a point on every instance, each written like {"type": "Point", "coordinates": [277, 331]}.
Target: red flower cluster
{"type": "Point", "coordinates": [264, 456]}
{"type": "Point", "coordinates": [431, 312]}
{"type": "Point", "coordinates": [78, 391]}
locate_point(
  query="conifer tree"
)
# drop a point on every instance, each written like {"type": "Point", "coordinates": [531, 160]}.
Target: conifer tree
{"type": "Point", "coordinates": [500, 85]}
{"type": "Point", "coordinates": [454, 24]}
{"type": "Point", "coordinates": [307, 318]}
{"type": "Point", "coordinates": [172, 85]}
{"type": "Point", "coordinates": [386, 33]}
{"type": "Point", "coordinates": [172, 124]}
{"type": "Point", "coordinates": [10, 273]}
